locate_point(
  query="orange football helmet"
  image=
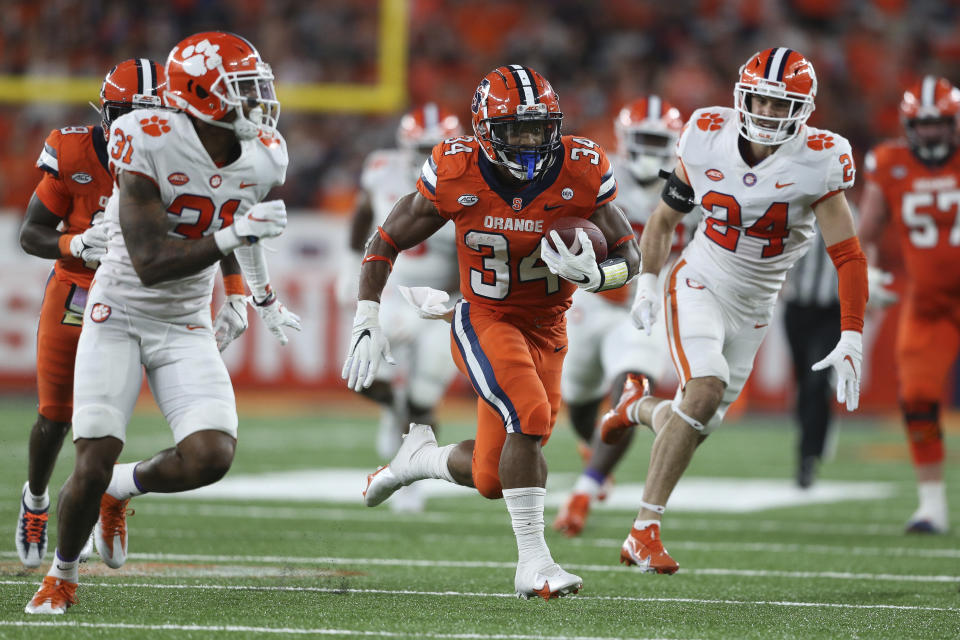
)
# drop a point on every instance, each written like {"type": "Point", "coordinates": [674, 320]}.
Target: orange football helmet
{"type": "Point", "coordinates": [647, 130]}
{"type": "Point", "coordinates": [782, 74]}
{"type": "Point", "coordinates": [132, 84]}
{"type": "Point", "coordinates": [930, 112]}
{"type": "Point", "coordinates": [213, 74]}
{"type": "Point", "coordinates": [426, 126]}
{"type": "Point", "coordinates": [516, 118]}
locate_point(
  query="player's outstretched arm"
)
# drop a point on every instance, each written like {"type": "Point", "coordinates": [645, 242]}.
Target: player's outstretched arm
{"type": "Point", "coordinates": [412, 220]}
{"type": "Point", "coordinates": [837, 226]}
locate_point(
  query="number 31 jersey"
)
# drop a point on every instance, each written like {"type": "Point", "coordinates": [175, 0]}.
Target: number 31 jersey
{"type": "Point", "coordinates": [757, 221]}
{"type": "Point", "coordinates": [499, 231]}
{"type": "Point", "coordinates": [200, 198]}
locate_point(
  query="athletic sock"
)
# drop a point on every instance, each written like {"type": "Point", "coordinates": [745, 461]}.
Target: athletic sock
{"type": "Point", "coordinates": [65, 569]}
{"type": "Point", "coordinates": [36, 503]}
{"type": "Point", "coordinates": [123, 484]}
{"type": "Point", "coordinates": [526, 515]}
{"type": "Point", "coordinates": [933, 497]}
{"type": "Point", "coordinates": [431, 462]}
{"type": "Point", "coordinates": [589, 483]}
{"type": "Point", "coordinates": [640, 525]}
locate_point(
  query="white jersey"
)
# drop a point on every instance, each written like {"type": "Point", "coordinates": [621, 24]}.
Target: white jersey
{"type": "Point", "coordinates": [201, 198]}
{"type": "Point", "coordinates": [388, 175]}
{"type": "Point", "coordinates": [756, 221]}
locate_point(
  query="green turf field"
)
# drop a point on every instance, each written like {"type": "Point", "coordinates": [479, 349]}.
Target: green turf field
{"type": "Point", "coordinates": [222, 565]}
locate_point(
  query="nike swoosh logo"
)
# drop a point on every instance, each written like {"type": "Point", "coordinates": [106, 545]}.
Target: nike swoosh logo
{"type": "Point", "coordinates": [785, 184]}
{"type": "Point", "coordinates": [559, 349]}
{"type": "Point", "coordinates": [760, 326]}
{"type": "Point", "coordinates": [852, 366]}
{"type": "Point", "coordinates": [548, 207]}
{"type": "Point", "coordinates": [194, 327]}
{"type": "Point", "coordinates": [363, 334]}
{"type": "Point", "coordinates": [256, 219]}
{"type": "Point", "coordinates": [244, 185]}
{"type": "Point", "coordinates": [583, 280]}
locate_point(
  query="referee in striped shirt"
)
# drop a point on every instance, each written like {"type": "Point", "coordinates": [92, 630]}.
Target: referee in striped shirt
{"type": "Point", "coordinates": [812, 317]}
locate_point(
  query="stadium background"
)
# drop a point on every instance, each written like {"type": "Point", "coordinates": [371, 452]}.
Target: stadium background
{"type": "Point", "coordinates": [346, 69]}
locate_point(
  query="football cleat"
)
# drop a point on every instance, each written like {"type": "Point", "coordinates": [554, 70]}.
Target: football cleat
{"type": "Point", "coordinates": [614, 423]}
{"type": "Point", "coordinates": [87, 550]}
{"type": "Point", "coordinates": [644, 549]}
{"type": "Point", "coordinates": [546, 582]}
{"type": "Point", "coordinates": [31, 537]}
{"type": "Point", "coordinates": [382, 483]}
{"type": "Point", "coordinates": [110, 533]}
{"type": "Point", "coordinates": [573, 516]}
{"type": "Point", "coordinates": [54, 596]}
{"type": "Point", "coordinates": [923, 521]}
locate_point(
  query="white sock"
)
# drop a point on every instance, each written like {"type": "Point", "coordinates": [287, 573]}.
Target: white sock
{"type": "Point", "coordinates": [526, 515]}
{"type": "Point", "coordinates": [640, 525]}
{"type": "Point", "coordinates": [933, 496]}
{"type": "Point", "coordinates": [633, 411]}
{"type": "Point", "coordinates": [431, 462]}
{"type": "Point", "coordinates": [123, 484]}
{"type": "Point", "coordinates": [588, 485]}
{"type": "Point", "coordinates": [36, 503]}
{"type": "Point", "coordinates": [65, 570]}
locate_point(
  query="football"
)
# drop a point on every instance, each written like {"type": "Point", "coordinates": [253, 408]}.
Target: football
{"type": "Point", "coordinates": [567, 227]}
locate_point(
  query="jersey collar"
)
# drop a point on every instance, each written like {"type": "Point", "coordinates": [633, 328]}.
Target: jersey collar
{"type": "Point", "coordinates": [529, 192]}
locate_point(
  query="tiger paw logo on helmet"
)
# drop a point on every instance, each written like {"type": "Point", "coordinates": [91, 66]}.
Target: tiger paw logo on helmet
{"type": "Point", "coordinates": [200, 58]}
{"type": "Point", "coordinates": [154, 126]}
{"type": "Point", "coordinates": [820, 141]}
{"type": "Point", "coordinates": [710, 122]}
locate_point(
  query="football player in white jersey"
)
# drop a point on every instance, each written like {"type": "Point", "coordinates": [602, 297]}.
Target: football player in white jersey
{"type": "Point", "coordinates": [764, 180]}
{"type": "Point", "coordinates": [410, 392]}
{"type": "Point", "coordinates": [604, 347]}
{"type": "Point", "coordinates": [190, 189]}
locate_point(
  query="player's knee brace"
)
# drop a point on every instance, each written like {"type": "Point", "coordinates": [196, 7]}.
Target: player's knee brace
{"type": "Point", "coordinates": [98, 421]}
{"type": "Point", "coordinates": [923, 431]}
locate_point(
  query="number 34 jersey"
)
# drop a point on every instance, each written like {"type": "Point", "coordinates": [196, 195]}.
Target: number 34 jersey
{"type": "Point", "coordinates": [200, 198]}
{"type": "Point", "coordinates": [757, 221]}
{"type": "Point", "coordinates": [924, 203]}
{"type": "Point", "coordinates": [499, 230]}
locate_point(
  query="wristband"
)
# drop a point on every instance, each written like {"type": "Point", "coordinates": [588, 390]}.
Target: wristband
{"type": "Point", "coordinates": [227, 240]}
{"type": "Point", "coordinates": [613, 274]}
{"type": "Point", "coordinates": [233, 284]}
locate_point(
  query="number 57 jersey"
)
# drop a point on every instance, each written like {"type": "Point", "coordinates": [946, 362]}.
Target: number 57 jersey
{"type": "Point", "coordinates": [757, 221]}
{"type": "Point", "coordinates": [499, 230]}
{"type": "Point", "coordinates": [200, 198]}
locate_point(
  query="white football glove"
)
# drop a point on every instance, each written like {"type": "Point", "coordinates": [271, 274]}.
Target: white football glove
{"type": "Point", "coordinates": [581, 268]}
{"type": "Point", "coordinates": [231, 320]}
{"type": "Point", "coordinates": [90, 246]}
{"type": "Point", "coordinates": [429, 303]}
{"type": "Point", "coordinates": [348, 278]}
{"type": "Point", "coordinates": [276, 316]}
{"type": "Point", "coordinates": [262, 220]}
{"type": "Point", "coordinates": [846, 360]}
{"type": "Point", "coordinates": [646, 306]}
{"type": "Point", "coordinates": [880, 296]}
{"type": "Point", "coordinates": [368, 347]}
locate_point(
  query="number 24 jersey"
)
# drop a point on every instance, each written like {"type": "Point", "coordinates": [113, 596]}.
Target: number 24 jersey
{"type": "Point", "coordinates": [499, 230]}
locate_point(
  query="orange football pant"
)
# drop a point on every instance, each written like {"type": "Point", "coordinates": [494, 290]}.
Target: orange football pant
{"type": "Point", "coordinates": [57, 337]}
{"type": "Point", "coordinates": [514, 366]}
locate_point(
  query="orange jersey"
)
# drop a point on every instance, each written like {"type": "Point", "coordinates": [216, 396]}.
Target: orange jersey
{"type": "Point", "coordinates": [75, 186]}
{"type": "Point", "coordinates": [499, 230]}
{"type": "Point", "coordinates": [924, 205]}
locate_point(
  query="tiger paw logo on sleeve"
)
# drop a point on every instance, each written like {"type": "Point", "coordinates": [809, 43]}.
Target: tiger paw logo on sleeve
{"type": "Point", "coordinates": [820, 141]}
{"type": "Point", "coordinates": [710, 122]}
{"type": "Point", "coordinates": [154, 126]}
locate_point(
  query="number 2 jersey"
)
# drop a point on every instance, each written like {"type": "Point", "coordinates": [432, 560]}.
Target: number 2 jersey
{"type": "Point", "coordinates": [757, 221]}
{"type": "Point", "coordinates": [200, 198]}
{"type": "Point", "coordinates": [499, 230]}
{"type": "Point", "coordinates": [75, 186]}
{"type": "Point", "coordinates": [924, 205]}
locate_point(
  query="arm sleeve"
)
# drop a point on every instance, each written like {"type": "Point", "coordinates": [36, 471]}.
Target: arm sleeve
{"type": "Point", "coordinates": [851, 264]}
{"type": "Point", "coordinates": [253, 263]}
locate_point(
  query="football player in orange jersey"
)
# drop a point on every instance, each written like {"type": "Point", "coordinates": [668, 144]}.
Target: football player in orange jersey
{"type": "Point", "coordinates": [71, 195]}
{"type": "Point", "coordinates": [502, 188]}
{"type": "Point", "coordinates": [914, 185]}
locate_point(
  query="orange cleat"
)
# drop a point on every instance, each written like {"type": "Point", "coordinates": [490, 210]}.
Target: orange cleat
{"type": "Point", "coordinates": [573, 516]}
{"type": "Point", "coordinates": [110, 533]}
{"type": "Point", "coordinates": [644, 549]}
{"type": "Point", "coordinates": [614, 423]}
{"type": "Point", "coordinates": [54, 596]}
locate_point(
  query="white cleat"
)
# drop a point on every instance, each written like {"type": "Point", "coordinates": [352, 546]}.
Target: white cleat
{"type": "Point", "coordinates": [31, 537]}
{"type": "Point", "coordinates": [382, 483]}
{"type": "Point", "coordinates": [110, 532]}
{"type": "Point", "coordinates": [87, 550]}
{"type": "Point", "coordinates": [53, 597]}
{"type": "Point", "coordinates": [546, 582]}
{"type": "Point", "coordinates": [933, 521]}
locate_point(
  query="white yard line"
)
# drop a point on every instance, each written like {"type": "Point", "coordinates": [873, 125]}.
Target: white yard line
{"type": "Point", "coordinates": [482, 564]}
{"type": "Point", "coordinates": [287, 630]}
{"type": "Point", "coordinates": [468, 594]}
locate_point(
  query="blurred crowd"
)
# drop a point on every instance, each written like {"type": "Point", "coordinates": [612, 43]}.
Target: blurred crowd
{"type": "Point", "coordinates": [597, 56]}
